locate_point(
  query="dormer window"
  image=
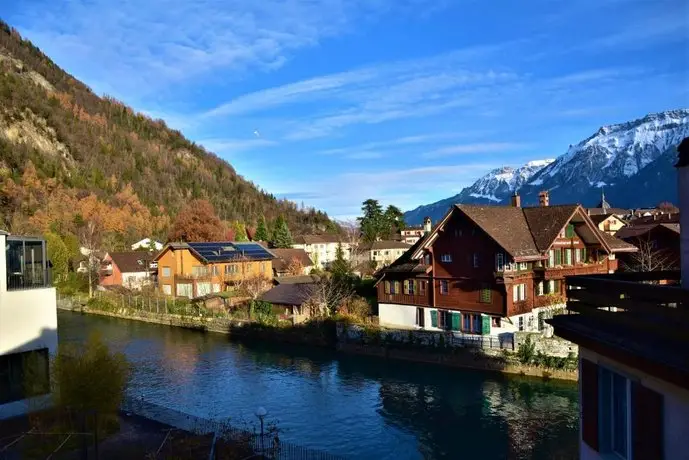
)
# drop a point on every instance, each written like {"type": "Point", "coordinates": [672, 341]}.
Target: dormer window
{"type": "Point", "coordinates": [447, 258]}
{"type": "Point", "coordinates": [427, 259]}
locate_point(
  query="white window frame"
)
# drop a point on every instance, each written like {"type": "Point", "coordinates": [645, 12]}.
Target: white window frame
{"type": "Point", "coordinates": [540, 288]}
{"type": "Point", "coordinates": [523, 266]}
{"type": "Point", "coordinates": [551, 258]}
{"type": "Point", "coordinates": [499, 261]}
{"type": "Point", "coordinates": [568, 256]}
{"type": "Point", "coordinates": [518, 292]}
{"type": "Point", "coordinates": [447, 258]}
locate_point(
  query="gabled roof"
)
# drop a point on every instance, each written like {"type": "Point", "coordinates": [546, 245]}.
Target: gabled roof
{"type": "Point", "coordinates": [545, 222]}
{"type": "Point", "coordinates": [385, 244]}
{"type": "Point", "coordinates": [598, 218]}
{"type": "Point", "coordinates": [222, 251]}
{"type": "Point", "coordinates": [289, 294]}
{"type": "Point", "coordinates": [284, 258]}
{"type": "Point", "coordinates": [526, 233]}
{"type": "Point", "coordinates": [406, 263]}
{"type": "Point", "coordinates": [131, 261]}
{"type": "Point", "coordinates": [636, 231]}
{"type": "Point", "coordinates": [506, 225]}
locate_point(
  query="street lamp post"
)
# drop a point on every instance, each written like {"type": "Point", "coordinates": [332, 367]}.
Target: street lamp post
{"type": "Point", "coordinates": [261, 413]}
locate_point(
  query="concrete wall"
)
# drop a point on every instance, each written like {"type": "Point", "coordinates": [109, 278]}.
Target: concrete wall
{"type": "Point", "coordinates": [675, 409]}
{"type": "Point", "coordinates": [399, 315]}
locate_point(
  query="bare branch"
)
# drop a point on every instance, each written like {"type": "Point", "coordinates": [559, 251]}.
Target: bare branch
{"type": "Point", "coordinates": [648, 258]}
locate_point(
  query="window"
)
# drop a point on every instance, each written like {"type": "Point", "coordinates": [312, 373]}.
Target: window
{"type": "Point", "coordinates": [569, 231]}
{"type": "Point", "coordinates": [199, 270]}
{"type": "Point", "coordinates": [167, 289]}
{"type": "Point", "coordinates": [521, 323]}
{"type": "Point", "coordinates": [409, 287]}
{"type": "Point", "coordinates": [14, 369]}
{"type": "Point", "coordinates": [495, 321]}
{"type": "Point", "coordinates": [422, 287]}
{"type": "Point", "coordinates": [577, 256]}
{"type": "Point", "coordinates": [568, 257]}
{"type": "Point", "coordinates": [427, 259]}
{"type": "Point", "coordinates": [475, 261]}
{"type": "Point", "coordinates": [444, 287]}
{"type": "Point", "coordinates": [263, 267]}
{"type": "Point", "coordinates": [558, 256]}
{"type": "Point", "coordinates": [614, 429]}
{"type": "Point", "coordinates": [523, 266]}
{"type": "Point", "coordinates": [476, 324]}
{"type": "Point", "coordinates": [551, 287]}
{"type": "Point", "coordinates": [185, 290]}
{"type": "Point", "coordinates": [214, 270]}
{"type": "Point", "coordinates": [499, 261]}
{"type": "Point", "coordinates": [166, 272]}
{"type": "Point", "coordinates": [420, 319]}
{"type": "Point", "coordinates": [551, 258]}
{"type": "Point", "coordinates": [540, 288]}
{"type": "Point", "coordinates": [485, 294]}
{"type": "Point", "coordinates": [446, 258]}
{"type": "Point", "coordinates": [466, 322]}
{"type": "Point", "coordinates": [231, 269]}
{"type": "Point", "coordinates": [518, 292]}
{"type": "Point", "coordinates": [386, 286]}
{"type": "Point", "coordinates": [583, 255]}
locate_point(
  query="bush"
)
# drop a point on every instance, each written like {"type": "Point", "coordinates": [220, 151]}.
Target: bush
{"type": "Point", "coordinates": [357, 307]}
{"type": "Point", "coordinates": [90, 379]}
{"type": "Point", "coordinates": [262, 312]}
{"type": "Point", "coordinates": [526, 351]}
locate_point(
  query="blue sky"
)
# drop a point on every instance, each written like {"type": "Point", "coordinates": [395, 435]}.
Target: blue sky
{"type": "Point", "coordinates": [406, 101]}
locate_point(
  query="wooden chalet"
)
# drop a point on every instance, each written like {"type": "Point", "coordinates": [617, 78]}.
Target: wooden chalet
{"type": "Point", "coordinates": [493, 269]}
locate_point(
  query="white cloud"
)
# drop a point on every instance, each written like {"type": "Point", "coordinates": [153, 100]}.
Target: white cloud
{"type": "Point", "coordinates": [134, 46]}
{"type": "Point", "coordinates": [234, 145]}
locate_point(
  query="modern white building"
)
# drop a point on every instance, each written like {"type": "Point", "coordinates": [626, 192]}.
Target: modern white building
{"type": "Point", "coordinates": [28, 324]}
{"type": "Point", "coordinates": [322, 249]}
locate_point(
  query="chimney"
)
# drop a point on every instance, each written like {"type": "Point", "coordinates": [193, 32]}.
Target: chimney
{"type": "Point", "coordinates": [516, 200]}
{"type": "Point", "coordinates": [544, 198]}
{"type": "Point", "coordinates": [427, 225]}
{"type": "Point", "coordinates": [683, 190]}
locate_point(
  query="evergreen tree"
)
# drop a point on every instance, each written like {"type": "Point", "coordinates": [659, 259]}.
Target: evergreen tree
{"type": "Point", "coordinates": [393, 222]}
{"type": "Point", "coordinates": [282, 238]}
{"type": "Point", "coordinates": [340, 267]}
{"type": "Point", "coordinates": [261, 230]}
{"type": "Point", "coordinates": [372, 221]}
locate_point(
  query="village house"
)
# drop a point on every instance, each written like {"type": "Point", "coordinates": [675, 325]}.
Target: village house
{"type": "Point", "coordinates": [197, 269]}
{"type": "Point", "coordinates": [289, 261]}
{"type": "Point", "coordinates": [322, 249]}
{"type": "Point", "coordinates": [290, 300]}
{"type": "Point", "coordinates": [604, 208]}
{"type": "Point", "coordinates": [608, 223]}
{"type": "Point", "coordinates": [411, 235]}
{"type": "Point", "coordinates": [379, 254]}
{"type": "Point", "coordinates": [494, 269]}
{"type": "Point", "coordinates": [633, 340]}
{"type": "Point", "coordinates": [28, 323]}
{"type": "Point", "coordinates": [658, 243]}
{"type": "Point", "coordinates": [131, 270]}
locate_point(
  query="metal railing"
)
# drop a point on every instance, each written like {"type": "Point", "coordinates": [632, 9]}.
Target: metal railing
{"type": "Point", "coordinates": [29, 279]}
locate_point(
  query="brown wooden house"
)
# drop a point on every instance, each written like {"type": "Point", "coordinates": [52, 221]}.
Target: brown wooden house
{"type": "Point", "coordinates": [494, 269]}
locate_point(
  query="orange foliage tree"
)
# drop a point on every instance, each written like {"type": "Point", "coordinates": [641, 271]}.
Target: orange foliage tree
{"type": "Point", "coordinates": [197, 221]}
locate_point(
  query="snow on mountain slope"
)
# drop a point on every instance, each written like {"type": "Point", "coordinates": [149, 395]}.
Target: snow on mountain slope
{"type": "Point", "coordinates": [631, 160]}
{"type": "Point", "coordinates": [494, 187]}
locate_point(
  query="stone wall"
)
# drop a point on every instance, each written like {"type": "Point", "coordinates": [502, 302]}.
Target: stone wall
{"type": "Point", "coordinates": [551, 346]}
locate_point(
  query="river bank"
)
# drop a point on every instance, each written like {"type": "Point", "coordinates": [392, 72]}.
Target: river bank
{"type": "Point", "coordinates": [326, 335]}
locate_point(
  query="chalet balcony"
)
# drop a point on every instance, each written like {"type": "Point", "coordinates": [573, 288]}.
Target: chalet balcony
{"type": "Point", "coordinates": [642, 317]}
{"type": "Point", "coordinates": [562, 271]}
{"type": "Point", "coordinates": [190, 277]}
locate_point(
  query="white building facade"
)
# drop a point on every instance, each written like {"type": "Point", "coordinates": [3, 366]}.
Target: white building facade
{"type": "Point", "coordinates": [322, 249]}
{"type": "Point", "coordinates": [28, 324]}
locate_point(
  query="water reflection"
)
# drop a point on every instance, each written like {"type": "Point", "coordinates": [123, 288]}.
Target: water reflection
{"type": "Point", "coordinates": [362, 407]}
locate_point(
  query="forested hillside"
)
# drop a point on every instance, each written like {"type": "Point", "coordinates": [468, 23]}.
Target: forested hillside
{"type": "Point", "coordinates": [68, 156]}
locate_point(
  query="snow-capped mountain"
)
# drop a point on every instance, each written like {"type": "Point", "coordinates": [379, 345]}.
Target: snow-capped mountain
{"type": "Point", "coordinates": [632, 161]}
{"type": "Point", "coordinates": [494, 187]}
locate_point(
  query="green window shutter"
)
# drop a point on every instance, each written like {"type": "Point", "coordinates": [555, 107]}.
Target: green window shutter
{"type": "Point", "coordinates": [583, 254]}
{"type": "Point", "coordinates": [434, 318]}
{"type": "Point", "coordinates": [456, 321]}
{"type": "Point", "coordinates": [558, 256]}
{"type": "Point", "coordinates": [485, 325]}
{"type": "Point", "coordinates": [569, 231]}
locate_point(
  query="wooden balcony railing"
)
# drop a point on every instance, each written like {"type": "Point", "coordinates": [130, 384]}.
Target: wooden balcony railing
{"type": "Point", "coordinates": [651, 303]}
{"type": "Point", "coordinates": [594, 268]}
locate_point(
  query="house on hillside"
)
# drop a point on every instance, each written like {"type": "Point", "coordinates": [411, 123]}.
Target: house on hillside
{"type": "Point", "coordinates": [322, 249]}
{"type": "Point", "coordinates": [147, 244]}
{"type": "Point", "coordinates": [197, 269]}
{"type": "Point", "coordinates": [658, 243]}
{"type": "Point", "coordinates": [376, 255]}
{"type": "Point", "coordinates": [28, 324]}
{"type": "Point", "coordinates": [634, 358]}
{"type": "Point", "coordinates": [131, 270]}
{"type": "Point", "coordinates": [494, 269]}
{"type": "Point", "coordinates": [288, 261]}
{"type": "Point", "coordinates": [608, 223]}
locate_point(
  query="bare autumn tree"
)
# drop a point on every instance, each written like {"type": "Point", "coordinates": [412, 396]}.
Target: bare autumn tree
{"type": "Point", "coordinates": [250, 283]}
{"type": "Point", "coordinates": [295, 267]}
{"type": "Point", "coordinates": [327, 295]}
{"type": "Point", "coordinates": [197, 221]}
{"type": "Point", "coordinates": [648, 258]}
{"type": "Point", "coordinates": [90, 239]}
